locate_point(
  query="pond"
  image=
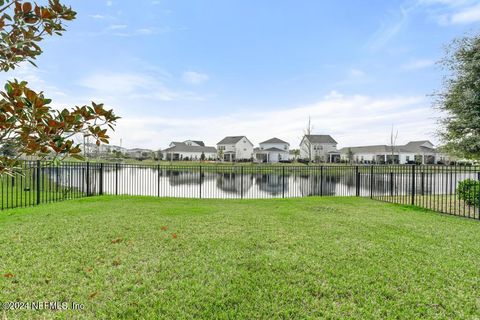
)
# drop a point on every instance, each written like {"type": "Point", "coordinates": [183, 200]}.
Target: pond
{"type": "Point", "coordinates": [252, 182]}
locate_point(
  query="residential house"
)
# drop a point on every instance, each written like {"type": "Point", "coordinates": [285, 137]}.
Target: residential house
{"type": "Point", "coordinates": [420, 152]}
{"type": "Point", "coordinates": [319, 148]}
{"type": "Point", "coordinates": [235, 148]}
{"type": "Point", "coordinates": [272, 150]}
{"type": "Point", "coordinates": [189, 150]}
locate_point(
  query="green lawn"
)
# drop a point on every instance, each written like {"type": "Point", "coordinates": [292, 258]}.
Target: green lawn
{"type": "Point", "coordinates": [245, 259]}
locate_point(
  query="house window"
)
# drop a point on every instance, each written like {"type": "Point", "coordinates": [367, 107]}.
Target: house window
{"type": "Point", "coordinates": [408, 158]}
{"type": "Point", "coordinates": [285, 147]}
{"type": "Point", "coordinates": [221, 147]}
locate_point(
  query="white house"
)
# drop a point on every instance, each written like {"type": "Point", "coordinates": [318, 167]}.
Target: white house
{"type": "Point", "coordinates": [272, 150]}
{"type": "Point", "coordinates": [189, 150]}
{"type": "Point", "coordinates": [420, 152]}
{"type": "Point", "coordinates": [235, 148]}
{"type": "Point", "coordinates": [319, 148]}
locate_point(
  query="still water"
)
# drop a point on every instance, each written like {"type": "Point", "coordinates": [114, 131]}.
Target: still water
{"type": "Point", "coordinates": [191, 183]}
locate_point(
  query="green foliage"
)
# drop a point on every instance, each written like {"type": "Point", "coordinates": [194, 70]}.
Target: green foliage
{"type": "Point", "coordinates": [23, 26]}
{"type": "Point", "coordinates": [460, 99]}
{"type": "Point", "coordinates": [29, 126]}
{"type": "Point", "coordinates": [469, 191]}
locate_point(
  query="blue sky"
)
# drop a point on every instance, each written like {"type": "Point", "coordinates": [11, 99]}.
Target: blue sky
{"type": "Point", "coordinates": [177, 70]}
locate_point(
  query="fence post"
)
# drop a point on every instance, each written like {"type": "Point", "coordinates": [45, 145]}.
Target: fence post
{"type": "Point", "coordinates": [87, 178]}
{"type": "Point", "coordinates": [413, 185]}
{"type": "Point", "coordinates": [357, 182]}
{"type": "Point", "coordinates": [200, 180]}
{"type": "Point", "coordinates": [100, 187]}
{"type": "Point", "coordinates": [241, 182]}
{"type": "Point", "coordinates": [158, 180]}
{"type": "Point", "coordinates": [283, 181]}
{"type": "Point", "coordinates": [321, 181]}
{"type": "Point", "coordinates": [391, 184]}
{"type": "Point", "coordinates": [116, 179]}
{"type": "Point", "coordinates": [478, 176]}
{"type": "Point", "coordinates": [38, 181]}
{"type": "Point", "coordinates": [371, 182]}
{"type": "Point", "coordinates": [422, 181]}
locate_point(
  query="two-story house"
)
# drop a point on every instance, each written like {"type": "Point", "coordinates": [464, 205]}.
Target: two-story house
{"type": "Point", "coordinates": [272, 150]}
{"type": "Point", "coordinates": [235, 148]}
{"type": "Point", "coordinates": [319, 148]}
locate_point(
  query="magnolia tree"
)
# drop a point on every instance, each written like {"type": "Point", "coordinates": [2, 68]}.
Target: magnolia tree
{"type": "Point", "coordinates": [29, 126]}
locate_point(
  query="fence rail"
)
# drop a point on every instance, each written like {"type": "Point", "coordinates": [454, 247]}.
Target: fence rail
{"type": "Point", "coordinates": [448, 189]}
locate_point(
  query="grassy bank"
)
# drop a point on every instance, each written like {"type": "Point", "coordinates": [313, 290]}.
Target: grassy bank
{"type": "Point", "coordinates": [153, 258]}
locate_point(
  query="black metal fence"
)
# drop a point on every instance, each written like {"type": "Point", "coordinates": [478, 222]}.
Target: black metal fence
{"type": "Point", "coordinates": [448, 189]}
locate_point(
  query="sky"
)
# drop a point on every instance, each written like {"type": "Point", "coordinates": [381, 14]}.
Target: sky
{"type": "Point", "coordinates": [177, 70]}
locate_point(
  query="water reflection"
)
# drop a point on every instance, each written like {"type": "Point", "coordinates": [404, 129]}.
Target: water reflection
{"type": "Point", "coordinates": [234, 183]}
{"type": "Point", "coordinates": [193, 183]}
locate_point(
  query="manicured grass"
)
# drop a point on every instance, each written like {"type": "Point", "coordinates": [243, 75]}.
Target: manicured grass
{"type": "Point", "coordinates": [245, 259]}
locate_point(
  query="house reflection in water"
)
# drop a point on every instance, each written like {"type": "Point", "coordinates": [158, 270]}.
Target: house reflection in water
{"type": "Point", "coordinates": [177, 178]}
{"type": "Point", "coordinates": [232, 182]}
{"type": "Point", "coordinates": [273, 184]}
{"type": "Point", "coordinates": [312, 185]}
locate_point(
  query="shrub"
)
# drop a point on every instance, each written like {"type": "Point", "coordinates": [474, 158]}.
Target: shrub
{"type": "Point", "coordinates": [469, 191]}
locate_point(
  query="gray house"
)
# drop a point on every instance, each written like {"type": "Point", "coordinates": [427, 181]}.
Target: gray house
{"type": "Point", "coordinates": [421, 152]}
{"type": "Point", "coordinates": [189, 150]}
{"type": "Point", "coordinates": [319, 148]}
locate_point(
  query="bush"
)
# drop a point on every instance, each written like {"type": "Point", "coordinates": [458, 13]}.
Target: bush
{"type": "Point", "coordinates": [469, 191]}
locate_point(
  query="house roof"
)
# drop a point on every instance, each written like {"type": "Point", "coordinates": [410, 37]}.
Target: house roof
{"type": "Point", "coordinates": [231, 139]}
{"type": "Point", "coordinates": [418, 146]}
{"type": "Point", "coordinates": [275, 150]}
{"type": "Point", "coordinates": [412, 147]}
{"type": "Point", "coordinates": [182, 147]}
{"type": "Point", "coordinates": [199, 142]}
{"type": "Point", "coordinates": [320, 138]}
{"type": "Point", "coordinates": [139, 150]}
{"type": "Point", "coordinates": [367, 149]}
{"type": "Point", "coordinates": [274, 140]}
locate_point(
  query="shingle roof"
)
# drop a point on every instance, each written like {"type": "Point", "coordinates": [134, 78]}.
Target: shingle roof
{"type": "Point", "coordinates": [417, 146]}
{"type": "Point", "coordinates": [274, 140]}
{"type": "Point", "coordinates": [367, 149]}
{"type": "Point", "coordinates": [412, 146]}
{"type": "Point", "coordinates": [200, 143]}
{"type": "Point", "coordinates": [184, 148]}
{"type": "Point", "coordinates": [320, 138]}
{"type": "Point", "coordinates": [275, 150]}
{"type": "Point", "coordinates": [231, 140]}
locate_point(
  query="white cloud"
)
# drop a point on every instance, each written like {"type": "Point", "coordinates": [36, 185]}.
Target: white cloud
{"type": "Point", "coordinates": [193, 77]}
{"type": "Point", "coordinates": [468, 15]}
{"type": "Point", "coordinates": [448, 12]}
{"type": "Point", "coordinates": [389, 29]}
{"type": "Point", "coordinates": [444, 12]}
{"type": "Point", "coordinates": [117, 26]}
{"type": "Point", "coordinates": [109, 3]}
{"type": "Point", "coordinates": [132, 86]}
{"type": "Point", "coordinates": [35, 78]}
{"type": "Point", "coordinates": [418, 64]}
{"type": "Point", "coordinates": [97, 16]}
{"type": "Point", "coordinates": [351, 120]}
